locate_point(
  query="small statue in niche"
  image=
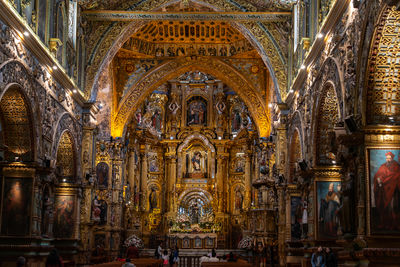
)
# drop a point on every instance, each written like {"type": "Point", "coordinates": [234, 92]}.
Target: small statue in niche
{"type": "Point", "coordinates": [103, 212]}
{"type": "Point", "coordinates": [196, 161]}
{"type": "Point", "coordinates": [238, 200]}
{"type": "Point", "coordinates": [96, 209]}
{"type": "Point", "coordinates": [47, 214]}
{"type": "Point", "coordinates": [156, 120]}
{"type": "Point", "coordinates": [153, 199]}
{"type": "Point", "coordinates": [237, 121]}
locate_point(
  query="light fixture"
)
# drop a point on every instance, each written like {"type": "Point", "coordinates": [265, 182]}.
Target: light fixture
{"type": "Point", "coordinates": [291, 91]}
{"type": "Point", "coordinates": [334, 161]}
{"type": "Point", "coordinates": [55, 67]}
{"type": "Point", "coordinates": [26, 33]}
{"type": "Point", "coordinates": [303, 67]}
{"type": "Point", "coordinates": [74, 91]}
{"type": "Point", "coordinates": [270, 105]}
{"type": "Point", "coordinates": [64, 180]}
{"type": "Point", "coordinates": [234, 135]}
{"type": "Point", "coordinates": [171, 137]}
{"type": "Point", "coordinates": [320, 35]}
{"type": "Point", "coordinates": [219, 137]}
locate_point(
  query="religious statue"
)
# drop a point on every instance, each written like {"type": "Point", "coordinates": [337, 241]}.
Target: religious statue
{"type": "Point", "coordinates": [238, 200]}
{"type": "Point", "coordinates": [195, 213]}
{"type": "Point", "coordinates": [156, 120]}
{"type": "Point", "coordinates": [196, 160]}
{"type": "Point", "coordinates": [197, 112]}
{"type": "Point", "coordinates": [153, 199]}
{"type": "Point", "coordinates": [96, 209]}
{"type": "Point", "coordinates": [47, 213]}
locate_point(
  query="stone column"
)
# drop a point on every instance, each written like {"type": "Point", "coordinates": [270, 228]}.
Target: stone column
{"type": "Point", "coordinates": [88, 172]}
{"type": "Point", "coordinates": [171, 175]}
{"type": "Point", "coordinates": [281, 148]}
{"type": "Point", "coordinates": [221, 174]}
{"type": "Point", "coordinates": [247, 181]}
{"type": "Point", "coordinates": [143, 179]}
{"type": "Point", "coordinates": [131, 170]}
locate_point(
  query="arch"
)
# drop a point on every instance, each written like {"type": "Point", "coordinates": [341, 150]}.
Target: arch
{"type": "Point", "coordinates": [17, 73]}
{"type": "Point", "coordinates": [116, 34]}
{"type": "Point", "coordinates": [66, 159]}
{"type": "Point", "coordinates": [382, 84]}
{"type": "Point", "coordinates": [192, 137]}
{"type": "Point", "coordinates": [195, 190]}
{"type": "Point", "coordinates": [327, 115]}
{"type": "Point", "coordinates": [16, 117]}
{"type": "Point", "coordinates": [173, 68]}
{"type": "Point", "coordinates": [66, 123]}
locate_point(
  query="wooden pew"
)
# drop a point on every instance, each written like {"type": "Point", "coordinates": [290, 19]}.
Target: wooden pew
{"type": "Point", "coordinates": [238, 263]}
{"type": "Point", "coordinates": [141, 262]}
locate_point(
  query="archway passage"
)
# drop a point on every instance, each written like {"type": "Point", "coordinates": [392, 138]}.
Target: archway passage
{"type": "Point", "coordinates": [17, 126]}
{"type": "Point", "coordinates": [327, 117]}
{"type": "Point", "coordinates": [66, 159]}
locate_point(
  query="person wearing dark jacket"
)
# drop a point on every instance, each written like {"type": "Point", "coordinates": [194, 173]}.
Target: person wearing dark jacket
{"type": "Point", "coordinates": [331, 259]}
{"type": "Point", "coordinates": [318, 258]}
{"type": "Point", "coordinates": [54, 259]}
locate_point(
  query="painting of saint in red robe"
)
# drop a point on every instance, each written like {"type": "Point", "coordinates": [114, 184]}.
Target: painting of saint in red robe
{"type": "Point", "coordinates": [385, 190]}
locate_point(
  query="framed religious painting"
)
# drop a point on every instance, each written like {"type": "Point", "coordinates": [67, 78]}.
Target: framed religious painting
{"type": "Point", "coordinates": [328, 202]}
{"type": "Point", "coordinates": [296, 214]}
{"type": "Point", "coordinates": [197, 242]}
{"type": "Point", "coordinates": [64, 215]}
{"type": "Point", "coordinates": [209, 242]}
{"type": "Point", "coordinates": [383, 188]}
{"type": "Point", "coordinates": [17, 206]}
{"type": "Point", "coordinates": [185, 242]}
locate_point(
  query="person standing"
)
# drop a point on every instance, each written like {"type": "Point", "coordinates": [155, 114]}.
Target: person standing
{"type": "Point", "coordinates": [176, 256]}
{"type": "Point", "coordinates": [318, 258]}
{"type": "Point", "coordinates": [331, 259]}
{"type": "Point", "coordinates": [54, 259]}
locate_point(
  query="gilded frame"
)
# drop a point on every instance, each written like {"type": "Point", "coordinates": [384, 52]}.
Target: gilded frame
{"type": "Point", "coordinates": [316, 201]}
{"type": "Point", "coordinates": [368, 184]}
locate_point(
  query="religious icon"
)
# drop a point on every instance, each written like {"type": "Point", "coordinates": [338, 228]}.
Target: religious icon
{"type": "Point", "coordinates": [295, 217]}
{"type": "Point", "coordinates": [197, 113]}
{"type": "Point", "coordinates": [196, 161]}
{"type": "Point", "coordinates": [156, 120]}
{"type": "Point", "coordinates": [102, 174]}
{"type": "Point", "coordinates": [237, 121]}
{"type": "Point", "coordinates": [328, 198]}
{"type": "Point", "coordinates": [17, 206]}
{"type": "Point", "coordinates": [96, 209]}
{"type": "Point", "coordinates": [153, 199]}
{"type": "Point", "coordinates": [197, 242]}
{"type": "Point", "coordinates": [238, 200]}
{"type": "Point", "coordinates": [64, 217]}
{"type": "Point", "coordinates": [384, 177]}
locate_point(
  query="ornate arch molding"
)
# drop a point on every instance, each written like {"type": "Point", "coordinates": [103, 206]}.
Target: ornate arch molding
{"type": "Point", "coordinates": [67, 124]}
{"type": "Point", "coordinates": [17, 73]}
{"type": "Point", "coordinates": [188, 140]}
{"type": "Point", "coordinates": [330, 72]}
{"type": "Point", "coordinates": [192, 137]}
{"type": "Point", "coordinates": [191, 190]}
{"type": "Point", "coordinates": [67, 159]}
{"type": "Point", "coordinates": [382, 84]}
{"type": "Point", "coordinates": [16, 114]}
{"type": "Point", "coordinates": [326, 110]}
{"type": "Point", "coordinates": [114, 35]}
{"type": "Point", "coordinates": [171, 69]}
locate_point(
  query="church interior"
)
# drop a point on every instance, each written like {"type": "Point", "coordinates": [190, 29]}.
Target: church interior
{"type": "Point", "coordinates": [266, 128]}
